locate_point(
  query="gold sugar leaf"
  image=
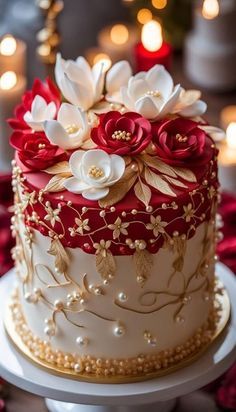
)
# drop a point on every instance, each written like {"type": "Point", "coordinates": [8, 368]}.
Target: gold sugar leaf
{"type": "Point", "coordinates": [158, 183]}
{"type": "Point", "coordinates": [56, 183]}
{"type": "Point", "coordinates": [143, 261]}
{"type": "Point", "coordinates": [158, 165]}
{"type": "Point", "coordinates": [62, 167]}
{"type": "Point", "coordinates": [119, 189]}
{"type": "Point", "coordinates": [143, 192]}
{"type": "Point", "coordinates": [61, 257]}
{"type": "Point", "coordinates": [175, 182]}
{"type": "Point", "coordinates": [106, 265]}
{"type": "Point", "coordinates": [185, 174]}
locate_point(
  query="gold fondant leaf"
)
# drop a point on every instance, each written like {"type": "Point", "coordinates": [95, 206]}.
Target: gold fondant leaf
{"type": "Point", "coordinates": [157, 164]}
{"type": "Point", "coordinates": [175, 182]}
{"type": "Point", "coordinates": [106, 265]}
{"type": "Point", "coordinates": [185, 174]}
{"type": "Point", "coordinates": [119, 189]}
{"type": "Point", "coordinates": [62, 167]}
{"type": "Point", "coordinates": [158, 183]}
{"type": "Point", "coordinates": [56, 183]}
{"type": "Point", "coordinates": [61, 256]}
{"type": "Point", "coordinates": [143, 261]}
{"type": "Point", "coordinates": [143, 192]}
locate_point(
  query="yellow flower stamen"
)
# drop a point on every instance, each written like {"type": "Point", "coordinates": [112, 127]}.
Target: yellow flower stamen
{"type": "Point", "coordinates": [95, 172]}
{"type": "Point", "coordinates": [180, 138]}
{"type": "Point", "coordinates": [71, 129]}
{"type": "Point", "coordinates": [121, 135]}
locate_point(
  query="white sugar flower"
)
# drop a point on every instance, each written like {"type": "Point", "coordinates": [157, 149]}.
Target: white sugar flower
{"type": "Point", "coordinates": [79, 83]}
{"type": "Point", "coordinates": [70, 130]}
{"type": "Point", "coordinates": [152, 93]}
{"type": "Point", "coordinates": [40, 111]}
{"type": "Point", "coordinates": [94, 172]}
{"type": "Point", "coordinates": [189, 104]}
{"type": "Point", "coordinates": [117, 77]}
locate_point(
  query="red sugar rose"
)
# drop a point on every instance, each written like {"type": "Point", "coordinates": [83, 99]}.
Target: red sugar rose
{"type": "Point", "coordinates": [35, 150]}
{"type": "Point", "coordinates": [181, 142]}
{"type": "Point", "coordinates": [122, 134]}
{"type": "Point", "coordinates": [47, 90]}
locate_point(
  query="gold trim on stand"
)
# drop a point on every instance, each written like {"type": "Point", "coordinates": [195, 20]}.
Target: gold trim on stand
{"type": "Point", "coordinates": [15, 325]}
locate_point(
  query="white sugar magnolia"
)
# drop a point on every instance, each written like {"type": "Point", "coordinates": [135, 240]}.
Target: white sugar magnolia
{"type": "Point", "coordinates": [71, 129]}
{"type": "Point", "coordinates": [117, 77]}
{"type": "Point", "coordinates": [80, 84]}
{"type": "Point", "coordinates": [94, 172]}
{"type": "Point", "coordinates": [40, 111]}
{"type": "Point", "coordinates": [152, 93]}
{"type": "Point", "coordinates": [189, 104]}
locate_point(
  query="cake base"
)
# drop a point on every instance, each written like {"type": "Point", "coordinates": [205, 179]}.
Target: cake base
{"type": "Point", "coordinates": [15, 325]}
{"type": "Point", "coordinates": [87, 397]}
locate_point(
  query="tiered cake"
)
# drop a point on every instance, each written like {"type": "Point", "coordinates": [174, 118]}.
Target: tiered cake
{"type": "Point", "coordinates": [115, 205]}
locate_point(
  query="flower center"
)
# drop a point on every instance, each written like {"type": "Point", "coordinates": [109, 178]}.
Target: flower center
{"type": "Point", "coordinates": [41, 146]}
{"type": "Point", "coordinates": [121, 135]}
{"type": "Point", "coordinates": [71, 128]}
{"type": "Point", "coordinates": [95, 172]}
{"type": "Point", "coordinates": [153, 93]}
{"type": "Point", "coordinates": [180, 138]}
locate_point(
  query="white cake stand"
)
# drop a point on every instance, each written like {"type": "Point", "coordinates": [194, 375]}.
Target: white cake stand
{"type": "Point", "coordinates": [157, 395]}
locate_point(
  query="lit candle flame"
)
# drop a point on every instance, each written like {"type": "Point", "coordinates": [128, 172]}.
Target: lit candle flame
{"type": "Point", "coordinates": [152, 36]}
{"type": "Point", "coordinates": [8, 80]}
{"type": "Point", "coordinates": [231, 135]}
{"type": "Point", "coordinates": [105, 59]}
{"type": "Point", "coordinates": [119, 34]}
{"type": "Point", "coordinates": [210, 9]}
{"type": "Point", "coordinates": [8, 45]}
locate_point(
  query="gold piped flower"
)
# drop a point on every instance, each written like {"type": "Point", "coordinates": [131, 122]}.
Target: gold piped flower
{"type": "Point", "coordinates": [102, 247]}
{"type": "Point", "coordinates": [156, 225]}
{"type": "Point", "coordinates": [118, 228]}
{"type": "Point", "coordinates": [82, 225]}
{"type": "Point", "coordinates": [188, 212]}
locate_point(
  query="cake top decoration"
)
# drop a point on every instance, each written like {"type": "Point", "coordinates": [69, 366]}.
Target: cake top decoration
{"type": "Point", "coordinates": [103, 134]}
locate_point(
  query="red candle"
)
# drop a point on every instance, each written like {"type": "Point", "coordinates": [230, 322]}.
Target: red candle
{"type": "Point", "coordinates": [152, 50]}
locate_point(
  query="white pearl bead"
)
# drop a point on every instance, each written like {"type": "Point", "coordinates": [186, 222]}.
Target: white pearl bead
{"type": "Point", "coordinates": [30, 298]}
{"type": "Point", "coordinates": [180, 319]}
{"type": "Point", "coordinates": [119, 331]}
{"type": "Point", "coordinates": [49, 331]}
{"type": "Point", "coordinates": [98, 291]}
{"type": "Point", "coordinates": [82, 341]}
{"type": "Point", "coordinates": [78, 367]}
{"type": "Point", "coordinates": [152, 341]}
{"type": "Point", "coordinates": [58, 304]}
{"type": "Point", "coordinates": [122, 297]}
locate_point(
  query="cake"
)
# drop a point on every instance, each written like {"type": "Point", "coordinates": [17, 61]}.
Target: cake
{"type": "Point", "coordinates": [115, 182]}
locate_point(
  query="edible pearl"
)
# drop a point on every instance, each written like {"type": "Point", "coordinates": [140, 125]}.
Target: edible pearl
{"type": "Point", "coordinates": [134, 167]}
{"type": "Point", "coordinates": [82, 341]}
{"type": "Point", "coordinates": [78, 367]}
{"type": "Point", "coordinates": [119, 331]}
{"type": "Point", "coordinates": [149, 209]}
{"type": "Point", "coordinates": [98, 291]}
{"type": "Point", "coordinates": [58, 304]}
{"type": "Point", "coordinates": [122, 297]}
{"type": "Point", "coordinates": [49, 331]}
{"type": "Point", "coordinates": [30, 298]}
{"type": "Point", "coordinates": [180, 319]}
{"type": "Point", "coordinates": [152, 341]}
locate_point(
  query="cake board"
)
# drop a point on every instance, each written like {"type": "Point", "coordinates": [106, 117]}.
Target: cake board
{"type": "Point", "coordinates": [157, 395]}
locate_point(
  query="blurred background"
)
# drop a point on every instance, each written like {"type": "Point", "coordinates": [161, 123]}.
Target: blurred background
{"type": "Point", "coordinates": [195, 40]}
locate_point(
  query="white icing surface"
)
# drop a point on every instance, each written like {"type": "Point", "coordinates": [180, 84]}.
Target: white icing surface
{"type": "Point", "coordinates": [123, 334]}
